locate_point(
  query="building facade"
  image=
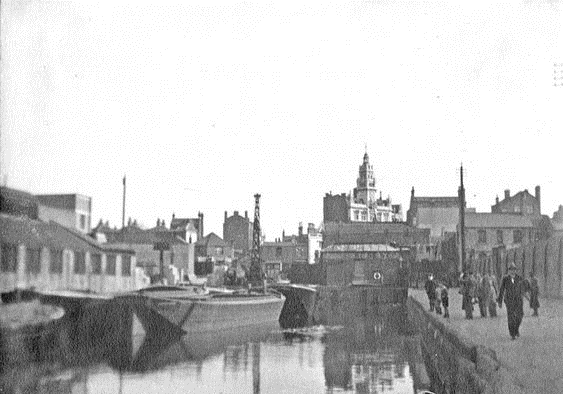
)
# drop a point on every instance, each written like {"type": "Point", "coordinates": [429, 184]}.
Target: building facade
{"type": "Point", "coordinates": [365, 264]}
{"type": "Point", "coordinates": [237, 231]}
{"type": "Point", "coordinates": [178, 256]}
{"type": "Point", "coordinates": [189, 229]}
{"type": "Point", "coordinates": [485, 232]}
{"type": "Point", "coordinates": [363, 204]}
{"type": "Point", "coordinates": [49, 256]}
{"type": "Point", "coordinates": [70, 210]}
{"type": "Point", "coordinates": [439, 214]}
{"type": "Point", "coordinates": [212, 251]}
{"type": "Point", "coordinates": [521, 203]}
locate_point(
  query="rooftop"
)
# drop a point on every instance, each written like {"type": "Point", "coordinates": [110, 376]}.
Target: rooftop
{"type": "Point", "coordinates": [496, 220]}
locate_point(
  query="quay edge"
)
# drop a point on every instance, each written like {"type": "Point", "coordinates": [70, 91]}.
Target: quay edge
{"type": "Point", "coordinates": [458, 365]}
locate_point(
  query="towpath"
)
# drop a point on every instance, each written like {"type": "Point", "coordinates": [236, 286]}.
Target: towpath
{"type": "Point", "coordinates": [535, 359]}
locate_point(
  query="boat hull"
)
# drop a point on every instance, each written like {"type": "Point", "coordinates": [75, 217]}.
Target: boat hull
{"type": "Point", "coordinates": [298, 308]}
{"type": "Point", "coordinates": [215, 312]}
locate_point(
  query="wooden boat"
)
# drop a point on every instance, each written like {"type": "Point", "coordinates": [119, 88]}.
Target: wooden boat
{"type": "Point", "coordinates": [209, 311]}
{"type": "Point", "coordinates": [300, 302]}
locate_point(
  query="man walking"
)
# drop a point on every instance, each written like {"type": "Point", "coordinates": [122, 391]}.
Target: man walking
{"type": "Point", "coordinates": [534, 289]}
{"type": "Point", "coordinates": [512, 289]}
{"type": "Point", "coordinates": [430, 287]}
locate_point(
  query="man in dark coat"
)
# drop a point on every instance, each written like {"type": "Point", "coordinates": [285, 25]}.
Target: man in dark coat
{"type": "Point", "coordinates": [534, 289]}
{"type": "Point", "coordinates": [430, 287]}
{"type": "Point", "coordinates": [512, 289]}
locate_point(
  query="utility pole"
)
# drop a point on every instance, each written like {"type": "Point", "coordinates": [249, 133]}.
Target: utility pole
{"type": "Point", "coordinates": [255, 275]}
{"type": "Point", "coordinates": [123, 215]}
{"type": "Point", "coordinates": [461, 195]}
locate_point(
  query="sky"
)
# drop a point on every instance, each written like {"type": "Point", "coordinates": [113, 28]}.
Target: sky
{"type": "Point", "coordinates": [204, 104]}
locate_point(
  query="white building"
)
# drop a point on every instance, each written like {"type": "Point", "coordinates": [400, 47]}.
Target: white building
{"type": "Point", "coordinates": [70, 210]}
{"type": "Point", "coordinates": [363, 203]}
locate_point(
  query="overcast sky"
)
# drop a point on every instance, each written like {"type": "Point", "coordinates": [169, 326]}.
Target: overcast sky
{"type": "Point", "coordinates": [204, 105]}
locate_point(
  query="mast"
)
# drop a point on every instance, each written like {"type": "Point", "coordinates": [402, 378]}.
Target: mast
{"type": "Point", "coordinates": [462, 222]}
{"type": "Point", "coordinates": [255, 263]}
{"type": "Point", "coordinates": [123, 214]}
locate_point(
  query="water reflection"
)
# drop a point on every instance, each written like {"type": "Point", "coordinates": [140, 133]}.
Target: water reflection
{"type": "Point", "coordinates": [367, 355]}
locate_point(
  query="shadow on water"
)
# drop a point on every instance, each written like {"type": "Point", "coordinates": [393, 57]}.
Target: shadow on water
{"type": "Point", "coordinates": [367, 354]}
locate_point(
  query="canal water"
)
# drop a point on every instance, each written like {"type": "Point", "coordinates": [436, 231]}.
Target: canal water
{"type": "Point", "coordinates": [365, 354]}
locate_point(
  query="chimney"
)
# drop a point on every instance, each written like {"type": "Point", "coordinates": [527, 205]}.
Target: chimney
{"type": "Point", "coordinates": [300, 229]}
{"type": "Point", "coordinates": [173, 216]}
{"type": "Point", "coordinates": [497, 199]}
{"type": "Point", "coordinates": [225, 215]}
{"type": "Point", "coordinates": [200, 230]}
{"type": "Point", "coordinates": [507, 193]}
{"type": "Point", "coordinates": [158, 222]}
{"type": "Point", "coordinates": [163, 224]}
{"type": "Point", "coordinates": [412, 192]}
{"type": "Point", "coordinates": [311, 228]}
{"type": "Point", "coordinates": [246, 214]}
{"type": "Point", "coordinates": [538, 197]}
{"type": "Point", "coordinates": [236, 213]}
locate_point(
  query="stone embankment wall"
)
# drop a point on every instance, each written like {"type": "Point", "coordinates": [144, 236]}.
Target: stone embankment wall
{"type": "Point", "coordinates": [457, 364]}
{"type": "Point", "coordinates": [335, 304]}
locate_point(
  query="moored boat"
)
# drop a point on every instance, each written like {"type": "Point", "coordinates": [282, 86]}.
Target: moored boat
{"type": "Point", "coordinates": [210, 311]}
{"type": "Point", "coordinates": [300, 302]}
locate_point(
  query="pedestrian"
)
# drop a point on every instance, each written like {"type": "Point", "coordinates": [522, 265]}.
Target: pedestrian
{"type": "Point", "coordinates": [482, 294]}
{"type": "Point", "coordinates": [466, 290]}
{"type": "Point", "coordinates": [438, 298]}
{"type": "Point", "coordinates": [492, 294]}
{"type": "Point", "coordinates": [445, 300]}
{"type": "Point", "coordinates": [511, 291]}
{"type": "Point", "coordinates": [430, 287]}
{"type": "Point", "coordinates": [534, 289]}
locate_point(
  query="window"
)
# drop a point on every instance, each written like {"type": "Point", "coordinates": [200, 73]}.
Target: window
{"type": "Point", "coordinates": [364, 216]}
{"type": "Point", "coordinates": [219, 250]}
{"type": "Point", "coordinates": [110, 264]}
{"type": "Point", "coordinates": [359, 270]}
{"type": "Point", "coordinates": [517, 236]}
{"type": "Point", "coordinates": [56, 262]}
{"type": "Point", "coordinates": [83, 222]}
{"type": "Point", "coordinates": [33, 261]}
{"type": "Point", "coordinates": [356, 215]}
{"type": "Point", "coordinates": [125, 265]}
{"type": "Point", "coordinates": [482, 236]}
{"type": "Point", "coordinates": [9, 257]}
{"type": "Point", "coordinates": [529, 209]}
{"type": "Point", "coordinates": [278, 251]}
{"type": "Point", "coordinates": [517, 208]}
{"type": "Point", "coordinates": [96, 260]}
{"type": "Point", "coordinates": [500, 238]}
{"type": "Point", "coordinates": [79, 263]}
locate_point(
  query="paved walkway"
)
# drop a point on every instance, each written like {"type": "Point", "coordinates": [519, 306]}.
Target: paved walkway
{"type": "Point", "coordinates": [535, 360]}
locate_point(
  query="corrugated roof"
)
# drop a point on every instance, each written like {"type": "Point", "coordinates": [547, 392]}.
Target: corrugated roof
{"type": "Point", "coordinates": [497, 220]}
{"type": "Point", "coordinates": [360, 248]}
{"type": "Point", "coordinates": [36, 234]}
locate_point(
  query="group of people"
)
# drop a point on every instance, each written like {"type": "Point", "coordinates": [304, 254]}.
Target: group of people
{"type": "Point", "coordinates": [482, 290]}
{"type": "Point", "coordinates": [437, 296]}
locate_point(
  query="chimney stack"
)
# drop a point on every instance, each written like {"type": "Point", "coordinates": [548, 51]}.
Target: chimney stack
{"type": "Point", "coordinates": [225, 215]}
{"type": "Point", "coordinates": [497, 199]}
{"type": "Point", "coordinates": [246, 214]}
{"type": "Point", "coordinates": [300, 229]}
{"type": "Point", "coordinates": [538, 197]}
{"type": "Point", "coordinates": [200, 217]}
{"type": "Point", "coordinates": [507, 193]}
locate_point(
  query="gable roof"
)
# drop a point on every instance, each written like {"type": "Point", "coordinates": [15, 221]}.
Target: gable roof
{"type": "Point", "coordinates": [497, 220]}
{"type": "Point", "coordinates": [212, 239]}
